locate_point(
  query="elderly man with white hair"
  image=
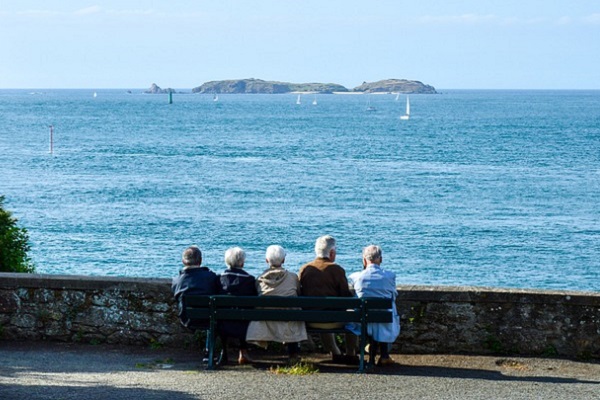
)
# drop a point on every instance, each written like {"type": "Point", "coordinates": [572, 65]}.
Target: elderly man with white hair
{"type": "Point", "coordinates": [323, 277]}
{"type": "Point", "coordinates": [373, 281]}
{"type": "Point", "coordinates": [276, 281]}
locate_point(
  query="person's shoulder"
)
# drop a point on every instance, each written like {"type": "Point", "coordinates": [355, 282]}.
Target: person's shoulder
{"type": "Point", "coordinates": [356, 275]}
{"type": "Point", "coordinates": [389, 273]}
{"type": "Point", "coordinates": [332, 266]}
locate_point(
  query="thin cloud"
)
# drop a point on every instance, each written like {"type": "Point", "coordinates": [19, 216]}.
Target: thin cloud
{"type": "Point", "coordinates": [457, 19]}
{"type": "Point", "coordinates": [592, 19]}
{"type": "Point", "coordinates": [88, 10]}
{"type": "Point", "coordinates": [491, 19]}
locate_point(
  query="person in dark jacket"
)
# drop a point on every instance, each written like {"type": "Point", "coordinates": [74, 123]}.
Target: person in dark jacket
{"type": "Point", "coordinates": [236, 282]}
{"type": "Point", "coordinates": [194, 279]}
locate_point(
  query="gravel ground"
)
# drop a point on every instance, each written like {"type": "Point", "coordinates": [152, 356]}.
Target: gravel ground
{"type": "Point", "coordinates": [67, 371]}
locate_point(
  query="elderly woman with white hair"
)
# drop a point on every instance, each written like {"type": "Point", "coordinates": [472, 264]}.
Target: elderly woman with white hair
{"type": "Point", "coordinates": [276, 281]}
{"type": "Point", "coordinates": [236, 282]}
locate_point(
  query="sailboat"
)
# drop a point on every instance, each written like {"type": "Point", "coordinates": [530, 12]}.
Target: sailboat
{"type": "Point", "coordinates": [216, 97]}
{"type": "Point", "coordinates": [95, 94]}
{"type": "Point", "coordinates": [407, 115]}
{"type": "Point", "coordinates": [397, 96]}
{"type": "Point", "coordinates": [369, 106]}
{"type": "Point", "coordinates": [314, 101]}
{"type": "Point", "coordinates": [298, 100]}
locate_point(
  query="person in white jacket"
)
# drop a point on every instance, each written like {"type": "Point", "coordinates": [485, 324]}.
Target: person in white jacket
{"type": "Point", "coordinates": [276, 281]}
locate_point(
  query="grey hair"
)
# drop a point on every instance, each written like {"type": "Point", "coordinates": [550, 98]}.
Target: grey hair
{"type": "Point", "coordinates": [324, 245]}
{"type": "Point", "coordinates": [275, 255]}
{"type": "Point", "coordinates": [372, 253]}
{"type": "Point", "coordinates": [235, 257]}
{"type": "Point", "coordinates": [191, 256]}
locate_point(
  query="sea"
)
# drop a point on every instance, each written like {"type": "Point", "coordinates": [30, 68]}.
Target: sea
{"type": "Point", "coordinates": [479, 187]}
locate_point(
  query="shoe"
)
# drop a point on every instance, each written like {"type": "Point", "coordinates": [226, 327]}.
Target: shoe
{"type": "Point", "coordinates": [223, 360]}
{"type": "Point", "coordinates": [344, 359]}
{"type": "Point", "coordinates": [244, 358]}
{"type": "Point", "coordinates": [385, 362]}
{"type": "Point", "coordinates": [205, 357]}
{"type": "Point", "coordinates": [337, 359]}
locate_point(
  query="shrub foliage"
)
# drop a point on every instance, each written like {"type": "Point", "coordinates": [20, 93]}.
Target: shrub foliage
{"type": "Point", "coordinates": [14, 244]}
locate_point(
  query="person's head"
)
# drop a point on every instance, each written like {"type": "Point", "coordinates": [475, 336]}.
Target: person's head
{"type": "Point", "coordinates": [325, 247]}
{"type": "Point", "coordinates": [372, 255]}
{"type": "Point", "coordinates": [191, 257]}
{"type": "Point", "coordinates": [235, 257]}
{"type": "Point", "coordinates": [275, 256]}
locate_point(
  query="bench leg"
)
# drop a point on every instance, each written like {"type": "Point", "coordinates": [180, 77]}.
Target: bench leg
{"type": "Point", "coordinates": [211, 349]}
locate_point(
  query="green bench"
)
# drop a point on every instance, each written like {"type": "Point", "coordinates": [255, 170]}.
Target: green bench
{"type": "Point", "coordinates": [274, 308]}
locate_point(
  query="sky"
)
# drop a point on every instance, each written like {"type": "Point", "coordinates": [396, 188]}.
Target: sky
{"type": "Point", "coordinates": [471, 44]}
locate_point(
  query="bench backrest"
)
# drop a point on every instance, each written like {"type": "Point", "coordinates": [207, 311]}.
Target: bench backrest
{"type": "Point", "coordinates": [276, 308]}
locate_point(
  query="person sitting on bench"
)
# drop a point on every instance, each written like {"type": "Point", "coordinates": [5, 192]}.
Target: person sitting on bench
{"type": "Point", "coordinates": [236, 282]}
{"type": "Point", "coordinates": [276, 281]}
{"type": "Point", "coordinates": [323, 277]}
{"type": "Point", "coordinates": [194, 279]}
{"type": "Point", "coordinates": [373, 281]}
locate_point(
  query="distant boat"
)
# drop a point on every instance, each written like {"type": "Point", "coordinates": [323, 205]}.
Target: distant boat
{"type": "Point", "coordinates": [298, 100]}
{"type": "Point", "coordinates": [315, 101]}
{"type": "Point", "coordinates": [397, 96]}
{"type": "Point", "coordinates": [216, 97]}
{"type": "Point", "coordinates": [407, 115]}
{"type": "Point", "coordinates": [369, 106]}
{"type": "Point", "coordinates": [95, 94]}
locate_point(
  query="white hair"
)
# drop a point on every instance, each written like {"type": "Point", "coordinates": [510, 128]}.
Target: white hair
{"type": "Point", "coordinates": [192, 256]}
{"type": "Point", "coordinates": [235, 257]}
{"type": "Point", "coordinates": [324, 245]}
{"type": "Point", "coordinates": [372, 253]}
{"type": "Point", "coordinates": [275, 255]}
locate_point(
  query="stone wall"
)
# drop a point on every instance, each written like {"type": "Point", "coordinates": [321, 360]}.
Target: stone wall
{"type": "Point", "coordinates": [434, 319]}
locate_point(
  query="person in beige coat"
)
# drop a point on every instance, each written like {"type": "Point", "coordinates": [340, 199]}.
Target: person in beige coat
{"type": "Point", "coordinates": [276, 281]}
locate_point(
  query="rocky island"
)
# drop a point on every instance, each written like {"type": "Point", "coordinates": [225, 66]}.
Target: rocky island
{"type": "Point", "coordinates": [259, 86]}
{"type": "Point", "coordinates": [269, 87]}
{"type": "Point", "coordinates": [395, 86]}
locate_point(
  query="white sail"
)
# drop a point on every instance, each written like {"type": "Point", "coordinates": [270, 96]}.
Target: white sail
{"type": "Point", "coordinates": [216, 97]}
{"type": "Point", "coordinates": [369, 106]}
{"type": "Point", "coordinates": [397, 96]}
{"type": "Point", "coordinates": [407, 115]}
{"type": "Point", "coordinates": [298, 100]}
{"type": "Point", "coordinates": [315, 101]}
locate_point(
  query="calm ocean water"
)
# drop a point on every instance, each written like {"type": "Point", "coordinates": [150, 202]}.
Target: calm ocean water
{"type": "Point", "coordinates": [487, 188]}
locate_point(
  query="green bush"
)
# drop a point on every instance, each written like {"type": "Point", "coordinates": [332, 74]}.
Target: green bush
{"type": "Point", "coordinates": [14, 244]}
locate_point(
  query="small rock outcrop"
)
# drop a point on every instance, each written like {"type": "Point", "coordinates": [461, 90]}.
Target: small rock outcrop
{"type": "Point", "coordinates": [155, 89]}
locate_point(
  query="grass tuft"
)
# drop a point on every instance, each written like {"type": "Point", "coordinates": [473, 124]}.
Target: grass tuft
{"type": "Point", "coordinates": [296, 369]}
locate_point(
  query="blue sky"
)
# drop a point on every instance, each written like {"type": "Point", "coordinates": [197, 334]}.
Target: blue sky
{"type": "Point", "coordinates": [507, 44]}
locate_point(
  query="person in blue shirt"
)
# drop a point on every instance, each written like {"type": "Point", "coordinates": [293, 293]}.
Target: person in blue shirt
{"type": "Point", "coordinates": [373, 281]}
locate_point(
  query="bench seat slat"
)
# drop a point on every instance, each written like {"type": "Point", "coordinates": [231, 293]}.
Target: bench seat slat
{"type": "Point", "coordinates": [289, 315]}
{"type": "Point", "coordinates": [278, 301]}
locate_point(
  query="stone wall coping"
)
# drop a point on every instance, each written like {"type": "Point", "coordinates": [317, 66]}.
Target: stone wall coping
{"type": "Point", "coordinates": [80, 282]}
{"type": "Point", "coordinates": [475, 294]}
{"type": "Point", "coordinates": [416, 293]}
